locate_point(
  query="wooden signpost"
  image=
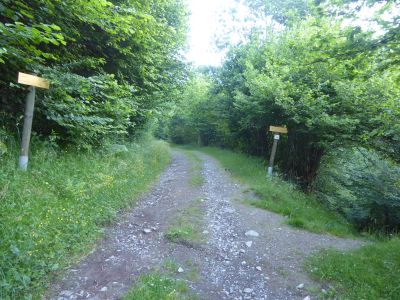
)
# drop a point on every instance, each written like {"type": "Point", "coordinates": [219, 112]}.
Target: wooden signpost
{"type": "Point", "coordinates": [277, 131]}
{"type": "Point", "coordinates": [33, 82]}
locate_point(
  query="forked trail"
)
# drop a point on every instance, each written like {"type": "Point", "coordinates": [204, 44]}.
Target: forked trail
{"type": "Point", "coordinates": [218, 259]}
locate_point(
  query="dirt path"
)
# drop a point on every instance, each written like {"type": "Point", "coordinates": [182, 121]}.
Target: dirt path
{"type": "Point", "coordinates": [222, 262]}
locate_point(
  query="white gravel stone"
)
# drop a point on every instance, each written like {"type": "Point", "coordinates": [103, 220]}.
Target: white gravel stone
{"type": "Point", "coordinates": [249, 243]}
{"type": "Point", "coordinates": [248, 290]}
{"type": "Point", "coordinates": [307, 298]}
{"type": "Point", "coordinates": [205, 232]}
{"type": "Point", "coordinates": [180, 270]}
{"type": "Point", "coordinates": [258, 268]}
{"type": "Point", "coordinates": [104, 289]}
{"type": "Point", "coordinates": [146, 230]}
{"type": "Point", "coordinates": [252, 233]}
{"type": "Point", "coordinates": [300, 286]}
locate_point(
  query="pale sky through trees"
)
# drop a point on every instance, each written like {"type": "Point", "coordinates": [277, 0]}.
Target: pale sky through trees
{"type": "Point", "coordinates": [204, 25]}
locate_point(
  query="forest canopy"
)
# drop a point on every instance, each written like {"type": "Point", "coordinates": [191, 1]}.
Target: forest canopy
{"type": "Point", "coordinates": [112, 64]}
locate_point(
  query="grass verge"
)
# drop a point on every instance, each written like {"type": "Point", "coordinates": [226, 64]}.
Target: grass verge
{"type": "Point", "coordinates": [371, 272]}
{"type": "Point", "coordinates": [55, 211]}
{"type": "Point", "coordinates": [186, 227]}
{"type": "Point", "coordinates": [302, 210]}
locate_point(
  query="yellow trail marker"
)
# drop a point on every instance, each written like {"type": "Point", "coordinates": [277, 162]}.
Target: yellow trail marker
{"type": "Point", "coordinates": [276, 130]}
{"type": "Point", "coordinates": [33, 81]}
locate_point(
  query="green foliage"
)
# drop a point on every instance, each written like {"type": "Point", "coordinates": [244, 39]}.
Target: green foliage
{"type": "Point", "coordinates": [302, 211]}
{"type": "Point", "coordinates": [85, 111]}
{"type": "Point", "coordinates": [362, 186]}
{"type": "Point", "coordinates": [158, 286]}
{"type": "Point", "coordinates": [57, 209]}
{"type": "Point", "coordinates": [281, 11]}
{"type": "Point", "coordinates": [371, 272]}
{"type": "Point", "coordinates": [185, 124]}
{"type": "Point", "coordinates": [112, 64]}
{"type": "Point", "coordinates": [21, 41]}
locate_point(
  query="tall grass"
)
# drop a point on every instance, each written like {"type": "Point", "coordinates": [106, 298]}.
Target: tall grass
{"type": "Point", "coordinates": [57, 209]}
{"type": "Point", "coordinates": [371, 272]}
{"type": "Point", "coordinates": [302, 210]}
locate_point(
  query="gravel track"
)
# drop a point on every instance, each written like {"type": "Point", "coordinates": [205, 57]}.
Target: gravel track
{"type": "Point", "coordinates": [222, 267]}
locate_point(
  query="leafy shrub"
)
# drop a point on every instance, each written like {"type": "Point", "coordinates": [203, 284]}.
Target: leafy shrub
{"type": "Point", "coordinates": [87, 110]}
{"type": "Point", "coordinates": [363, 186]}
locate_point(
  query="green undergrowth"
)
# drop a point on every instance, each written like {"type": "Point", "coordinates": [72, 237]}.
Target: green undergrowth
{"type": "Point", "coordinates": [54, 212]}
{"type": "Point", "coordinates": [186, 226]}
{"type": "Point", "coordinates": [158, 286]}
{"type": "Point", "coordinates": [279, 196]}
{"type": "Point", "coordinates": [371, 272]}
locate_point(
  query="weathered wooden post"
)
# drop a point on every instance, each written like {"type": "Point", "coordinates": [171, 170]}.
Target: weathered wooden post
{"type": "Point", "coordinates": [276, 131]}
{"type": "Point", "coordinates": [33, 82]}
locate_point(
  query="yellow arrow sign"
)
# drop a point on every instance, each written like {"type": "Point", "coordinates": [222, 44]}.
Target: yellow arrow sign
{"type": "Point", "coordinates": [33, 80]}
{"type": "Point", "coordinates": [278, 129]}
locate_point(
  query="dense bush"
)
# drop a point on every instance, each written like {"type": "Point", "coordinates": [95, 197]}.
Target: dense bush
{"type": "Point", "coordinates": [86, 110]}
{"type": "Point", "coordinates": [363, 186]}
{"type": "Point", "coordinates": [111, 64]}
